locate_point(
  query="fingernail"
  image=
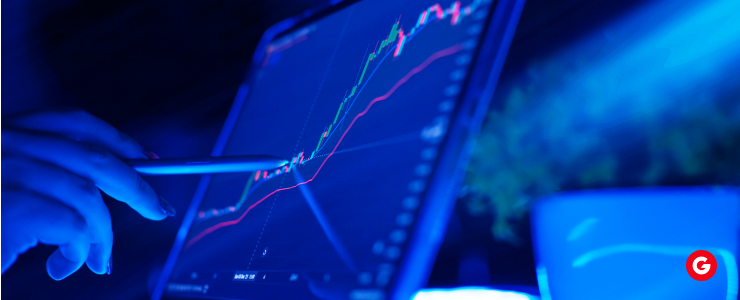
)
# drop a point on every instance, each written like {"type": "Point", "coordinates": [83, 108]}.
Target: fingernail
{"type": "Point", "coordinates": [166, 207]}
{"type": "Point", "coordinates": [110, 264]}
{"type": "Point", "coordinates": [149, 153]}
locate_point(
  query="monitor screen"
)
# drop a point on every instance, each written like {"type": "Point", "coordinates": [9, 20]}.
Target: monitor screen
{"type": "Point", "coordinates": [359, 101]}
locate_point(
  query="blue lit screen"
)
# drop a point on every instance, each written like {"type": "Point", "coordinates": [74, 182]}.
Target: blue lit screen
{"type": "Point", "coordinates": [360, 102]}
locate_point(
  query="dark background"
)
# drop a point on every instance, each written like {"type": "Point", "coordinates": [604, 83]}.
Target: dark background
{"type": "Point", "coordinates": [166, 72]}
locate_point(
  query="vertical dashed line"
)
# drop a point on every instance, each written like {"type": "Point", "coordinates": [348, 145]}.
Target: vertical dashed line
{"type": "Point", "coordinates": [321, 84]}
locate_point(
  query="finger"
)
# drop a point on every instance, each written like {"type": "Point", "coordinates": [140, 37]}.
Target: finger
{"type": "Point", "coordinates": [75, 191]}
{"type": "Point", "coordinates": [81, 126]}
{"type": "Point", "coordinates": [37, 218]}
{"type": "Point", "coordinates": [109, 173]}
{"type": "Point", "coordinates": [66, 260]}
{"type": "Point", "coordinates": [8, 256]}
{"type": "Point", "coordinates": [13, 242]}
{"type": "Point", "coordinates": [93, 259]}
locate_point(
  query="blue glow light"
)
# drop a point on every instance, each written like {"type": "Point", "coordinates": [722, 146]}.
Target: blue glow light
{"type": "Point", "coordinates": [471, 293]}
{"type": "Point", "coordinates": [543, 283]}
{"type": "Point", "coordinates": [648, 99]}
{"type": "Point", "coordinates": [639, 246]}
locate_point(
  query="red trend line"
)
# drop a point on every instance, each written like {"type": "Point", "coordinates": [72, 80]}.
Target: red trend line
{"type": "Point", "coordinates": [417, 69]}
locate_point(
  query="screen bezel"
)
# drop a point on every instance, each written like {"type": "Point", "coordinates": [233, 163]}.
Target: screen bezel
{"type": "Point", "coordinates": [437, 204]}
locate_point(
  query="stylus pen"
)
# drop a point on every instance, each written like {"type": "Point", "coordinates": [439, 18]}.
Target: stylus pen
{"type": "Point", "coordinates": [222, 164]}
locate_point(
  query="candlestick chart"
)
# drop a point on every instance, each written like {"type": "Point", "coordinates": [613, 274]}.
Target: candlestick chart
{"type": "Point", "coordinates": [358, 103]}
{"type": "Point", "coordinates": [392, 44]}
{"type": "Point", "coordinates": [442, 53]}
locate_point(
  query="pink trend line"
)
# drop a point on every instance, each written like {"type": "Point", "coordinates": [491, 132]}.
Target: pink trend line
{"type": "Point", "coordinates": [417, 69]}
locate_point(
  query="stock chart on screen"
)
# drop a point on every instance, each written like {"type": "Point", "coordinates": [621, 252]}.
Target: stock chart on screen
{"type": "Point", "coordinates": [359, 102]}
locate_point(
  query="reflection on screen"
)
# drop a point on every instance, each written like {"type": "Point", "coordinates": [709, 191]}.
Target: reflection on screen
{"type": "Point", "coordinates": [359, 101]}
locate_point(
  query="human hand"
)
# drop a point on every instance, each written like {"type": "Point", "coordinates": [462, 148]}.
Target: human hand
{"type": "Point", "coordinates": [52, 165]}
